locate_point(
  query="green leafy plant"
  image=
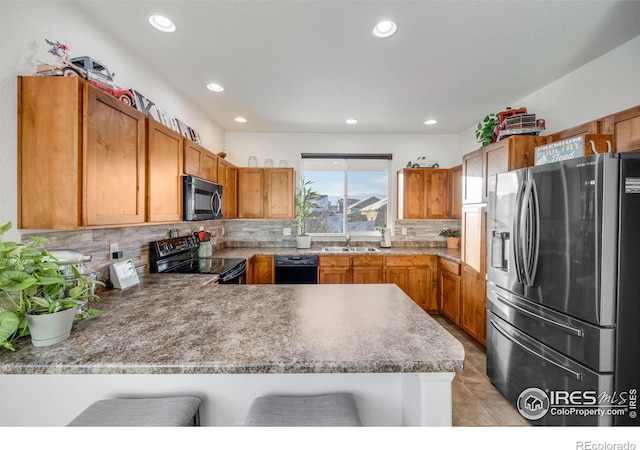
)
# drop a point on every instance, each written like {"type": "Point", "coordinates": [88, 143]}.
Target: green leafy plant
{"type": "Point", "coordinates": [449, 232]}
{"type": "Point", "coordinates": [30, 282]}
{"type": "Point", "coordinates": [485, 133]}
{"type": "Point", "coordinates": [306, 200]}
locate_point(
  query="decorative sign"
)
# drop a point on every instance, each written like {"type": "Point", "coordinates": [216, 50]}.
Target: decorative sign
{"type": "Point", "coordinates": [560, 151]}
{"type": "Point", "coordinates": [583, 145]}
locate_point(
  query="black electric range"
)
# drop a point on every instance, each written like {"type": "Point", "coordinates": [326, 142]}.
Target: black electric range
{"type": "Point", "coordinates": [180, 255]}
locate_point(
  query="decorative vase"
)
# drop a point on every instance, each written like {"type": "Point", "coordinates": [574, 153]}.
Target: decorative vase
{"type": "Point", "coordinates": [453, 242]}
{"type": "Point", "coordinates": [303, 241]}
{"type": "Point", "coordinates": [49, 329]}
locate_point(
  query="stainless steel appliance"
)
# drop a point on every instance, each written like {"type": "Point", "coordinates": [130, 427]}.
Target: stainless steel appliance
{"type": "Point", "coordinates": [201, 199]}
{"type": "Point", "coordinates": [296, 269]}
{"type": "Point", "coordinates": [180, 255]}
{"type": "Point", "coordinates": [563, 305]}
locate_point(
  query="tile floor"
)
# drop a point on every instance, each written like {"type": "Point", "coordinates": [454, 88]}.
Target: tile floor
{"type": "Point", "coordinates": [476, 402]}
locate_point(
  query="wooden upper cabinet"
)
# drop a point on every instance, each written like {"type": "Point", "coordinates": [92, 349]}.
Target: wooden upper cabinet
{"type": "Point", "coordinates": [279, 203]}
{"type": "Point", "coordinates": [455, 192]}
{"type": "Point", "coordinates": [81, 156]}
{"type": "Point", "coordinates": [508, 154]}
{"type": "Point", "coordinates": [423, 193]}
{"type": "Point", "coordinates": [625, 126]}
{"type": "Point", "coordinates": [473, 177]}
{"type": "Point", "coordinates": [250, 193]}
{"type": "Point", "coordinates": [228, 178]}
{"type": "Point", "coordinates": [200, 162]}
{"type": "Point", "coordinates": [115, 161]}
{"type": "Point", "coordinates": [265, 193]}
{"type": "Point", "coordinates": [50, 131]}
{"type": "Point", "coordinates": [164, 173]}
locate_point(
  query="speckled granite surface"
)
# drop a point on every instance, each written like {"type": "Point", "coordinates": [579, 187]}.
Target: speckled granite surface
{"type": "Point", "coordinates": [172, 324]}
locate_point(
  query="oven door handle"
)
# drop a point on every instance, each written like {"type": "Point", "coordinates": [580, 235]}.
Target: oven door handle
{"type": "Point", "coordinates": [234, 272]}
{"type": "Point", "coordinates": [506, 335]}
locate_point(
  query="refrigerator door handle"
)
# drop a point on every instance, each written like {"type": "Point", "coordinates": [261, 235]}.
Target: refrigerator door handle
{"type": "Point", "coordinates": [578, 332]}
{"type": "Point", "coordinates": [506, 335]}
{"type": "Point", "coordinates": [533, 232]}
{"type": "Point", "coordinates": [517, 234]}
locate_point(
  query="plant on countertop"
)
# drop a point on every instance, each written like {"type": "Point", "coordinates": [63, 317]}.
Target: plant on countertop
{"type": "Point", "coordinates": [30, 282]}
{"type": "Point", "coordinates": [306, 200]}
{"type": "Point", "coordinates": [486, 131]}
{"type": "Point", "coordinates": [449, 232]}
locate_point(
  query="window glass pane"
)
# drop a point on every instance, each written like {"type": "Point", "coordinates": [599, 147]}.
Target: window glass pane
{"type": "Point", "coordinates": [366, 200]}
{"type": "Point", "coordinates": [360, 184]}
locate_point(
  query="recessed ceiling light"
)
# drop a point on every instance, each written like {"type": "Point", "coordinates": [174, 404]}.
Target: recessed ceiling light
{"type": "Point", "coordinates": [385, 28]}
{"type": "Point", "coordinates": [351, 121]}
{"type": "Point", "coordinates": [430, 122]}
{"type": "Point", "coordinates": [215, 87]}
{"type": "Point", "coordinates": [162, 23]}
{"type": "Point", "coordinates": [240, 119]}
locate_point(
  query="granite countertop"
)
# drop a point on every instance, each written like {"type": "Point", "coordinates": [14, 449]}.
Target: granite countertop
{"type": "Point", "coordinates": [171, 324]}
{"type": "Point", "coordinates": [452, 254]}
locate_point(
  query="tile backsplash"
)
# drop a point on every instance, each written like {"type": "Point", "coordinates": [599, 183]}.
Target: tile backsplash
{"type": "Point", "coordinates": [134, 241]}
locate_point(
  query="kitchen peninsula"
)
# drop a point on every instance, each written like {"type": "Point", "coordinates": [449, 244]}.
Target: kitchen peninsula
{"type": "Point", "coordinates": [229, 344]}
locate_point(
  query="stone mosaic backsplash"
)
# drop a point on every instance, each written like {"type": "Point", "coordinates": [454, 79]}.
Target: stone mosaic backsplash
{"type": "Point", "coordinates": [133, 241]}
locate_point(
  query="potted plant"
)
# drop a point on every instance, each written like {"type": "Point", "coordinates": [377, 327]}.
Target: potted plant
{"type": "Point", "coordinates": [486, 132]}
{"type": "Point", "coordinates": [306, 200]}
{"type": "Point", "coordinates": [35, 297]}
{"type": "Point", "coordinates": [452, 236]}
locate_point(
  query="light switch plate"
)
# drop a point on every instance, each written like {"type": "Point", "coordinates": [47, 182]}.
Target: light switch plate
{"type": "Point", "coordinates": [404, 231]}
{"type": "Point", "coordinates": [286, 231]}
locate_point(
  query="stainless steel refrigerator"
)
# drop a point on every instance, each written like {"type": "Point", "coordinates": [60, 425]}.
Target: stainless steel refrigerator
{"type": "Point", "coordinates": [563, 290]}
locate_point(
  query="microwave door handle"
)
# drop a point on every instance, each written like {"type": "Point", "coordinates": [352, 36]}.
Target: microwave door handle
{"type": "Point", "coordinates": [503, 332]}
{"type": "Point", "coordinates": [216, 203]}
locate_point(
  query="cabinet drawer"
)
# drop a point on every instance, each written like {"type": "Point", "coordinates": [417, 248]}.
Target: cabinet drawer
{"type": "Point", "coordinates": [408, 261]}
{"type": "Point", "coordinates": [367, 261]}
{"type": "Point", "coordinates": [449, 266]}
{"type": "Point", "coordinates": [335, 261]}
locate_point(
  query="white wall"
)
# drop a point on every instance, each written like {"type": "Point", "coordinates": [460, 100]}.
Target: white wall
{"type": "Point", "coordinates": [23, 28]}
{"type": "Point", "coordinates": [601, 87]}
{"type": "Point", "coordinates": [404, 147]}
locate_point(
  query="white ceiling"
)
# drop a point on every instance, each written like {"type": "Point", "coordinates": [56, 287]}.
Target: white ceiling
{"type": "Point", "coordinates": [307, 66]}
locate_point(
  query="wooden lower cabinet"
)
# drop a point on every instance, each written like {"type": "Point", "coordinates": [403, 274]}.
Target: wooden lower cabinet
{"type": "Point", "coordinates": [335, 270]}
{"type": "Point", "coordinates": [473, 306]}
{"type": "Point", "coordinates": [260, 270]}
{"type": "Point", "coordinates": [416, 276]}
{"type": "Point", "coordinates": [367, 269]}
{"type": "Point", "coordinates": [449, 289]}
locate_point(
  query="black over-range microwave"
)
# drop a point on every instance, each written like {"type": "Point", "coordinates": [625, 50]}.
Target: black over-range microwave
{"type": "Point", "coordinates": [201, 199]}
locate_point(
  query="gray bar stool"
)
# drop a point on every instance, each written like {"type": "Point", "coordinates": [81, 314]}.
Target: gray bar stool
{"type": "Point", "coordinates": [141, 412]}
{"type": "Point", "coordinates": [324, 410]}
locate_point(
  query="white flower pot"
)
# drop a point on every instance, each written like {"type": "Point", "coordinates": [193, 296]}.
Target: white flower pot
{"type": "Point", "coordinates": [49, 329]}
{"type": "Point", "coordinates": [303, 241]}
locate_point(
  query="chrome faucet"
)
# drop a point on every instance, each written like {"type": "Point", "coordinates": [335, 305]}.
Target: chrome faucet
{"type": "Point", "coordinates": [348, 239]}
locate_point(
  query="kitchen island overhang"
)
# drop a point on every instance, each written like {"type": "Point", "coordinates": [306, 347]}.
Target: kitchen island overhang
{"type": "Point", "coordinates": [229, 344]}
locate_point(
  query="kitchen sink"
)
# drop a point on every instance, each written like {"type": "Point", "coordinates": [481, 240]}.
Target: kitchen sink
{"type": "Point", "coordinates": [350, 249]}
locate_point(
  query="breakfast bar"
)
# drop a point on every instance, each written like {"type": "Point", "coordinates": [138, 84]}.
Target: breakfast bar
{"type": "Point", "coordinates": [228, 344]}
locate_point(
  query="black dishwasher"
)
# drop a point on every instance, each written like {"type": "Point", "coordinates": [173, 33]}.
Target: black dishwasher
{"type": "Point", "coordinates": [296, 269]}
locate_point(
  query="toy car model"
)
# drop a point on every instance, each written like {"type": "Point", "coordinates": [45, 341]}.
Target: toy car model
{"type": "Point", "coordinates": [422, 162]}
{"type": "Point", "coordinates": [517, 121]}
{"type": "Point", "coordinates": [91, 70]}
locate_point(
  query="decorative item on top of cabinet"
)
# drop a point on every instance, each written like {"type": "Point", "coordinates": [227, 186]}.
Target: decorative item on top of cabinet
{"type": "Point", "coordinates": [423, 194]}
{"type": "Point", "coordinates": [449, 289]}
{"type": "Point", "coordinates": [164, 173]}
{"type": "Point", "coordinates": [200, 162]}
{"type": "Point", "coordinates": [95, 140]}
{"type": "Point", "coordinates": [265, 193]}
{"type": "Point", "coordinates": [416, 276]}
{"type": "Point", "coordinates": [575, 147]}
